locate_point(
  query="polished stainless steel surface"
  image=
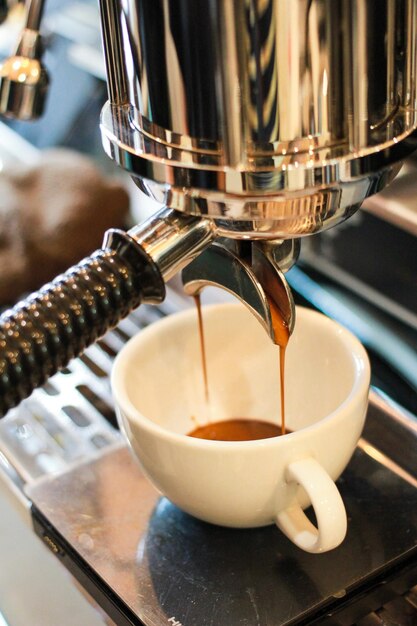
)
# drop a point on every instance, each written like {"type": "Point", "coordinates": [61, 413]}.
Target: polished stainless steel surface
{"type": "Point", "coordinates": [275, 117]}
{"type": "Point", "coordinates": [23, 77]}
{"type": "Point", "coordinates": [112, 42]}
{"type": "Point", "coordinates": [253, 277]}
{"type": "Point", "coordinates": [173, 239]}
{"type": "Point", "coordinates": [397, 205]}
{"type": "Point", "coordinates": [163, 566]}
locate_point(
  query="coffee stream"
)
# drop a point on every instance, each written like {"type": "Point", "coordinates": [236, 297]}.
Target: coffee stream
{"type": "Point", "coordinates": [241, 429]}
{"type": "Point", "coordinates": [282, 336]}
{"type": "Point", "coordinates": [197, 300]}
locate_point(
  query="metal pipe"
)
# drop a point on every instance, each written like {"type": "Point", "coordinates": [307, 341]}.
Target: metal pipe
{"type": "Point", "coordinates": [110, 12]}
{"type": "Point", "coordinates": [34, 12]}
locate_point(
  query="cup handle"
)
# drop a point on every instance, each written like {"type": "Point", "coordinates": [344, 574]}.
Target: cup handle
{"type": "Point", "coordinates": [328, 507]}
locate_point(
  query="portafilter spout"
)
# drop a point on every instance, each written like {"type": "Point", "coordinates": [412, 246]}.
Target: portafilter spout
{"type": "Point", "coordinates": [252, 271]}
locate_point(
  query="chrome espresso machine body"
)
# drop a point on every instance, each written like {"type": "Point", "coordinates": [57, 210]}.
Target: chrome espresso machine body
{"type": "Point", "coordinates": [254, 123]}
{"type": "Point", "coordinates": [275, 119]}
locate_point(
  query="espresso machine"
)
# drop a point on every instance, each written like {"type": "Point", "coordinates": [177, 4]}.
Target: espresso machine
{"type": "Point", "coordinates": [236, 117]}
{"type": "Point", "coordinates": [254, 124]}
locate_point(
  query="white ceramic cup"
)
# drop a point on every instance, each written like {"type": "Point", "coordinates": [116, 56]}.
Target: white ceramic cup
{"type": "Point", "coordinates": [159, 393]}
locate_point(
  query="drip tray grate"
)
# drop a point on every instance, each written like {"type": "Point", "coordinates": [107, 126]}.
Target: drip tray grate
{"type": "Point", "coordinates": [72, 415]}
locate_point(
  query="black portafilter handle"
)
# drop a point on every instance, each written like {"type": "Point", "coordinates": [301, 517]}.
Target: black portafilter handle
{"type": "Point", "coordinates": [42, 333]}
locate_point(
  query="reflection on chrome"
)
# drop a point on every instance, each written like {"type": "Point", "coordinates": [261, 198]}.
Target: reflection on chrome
{"type": "Point", "coordinates": [245, 107]}
{"type": "Point", "coordinates": [377, 455]}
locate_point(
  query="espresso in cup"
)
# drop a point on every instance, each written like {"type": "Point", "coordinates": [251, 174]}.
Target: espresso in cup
{"type": "Point", "coordinates": [159, 393]}
{"type": "Point", "coordinates": [237, 430]}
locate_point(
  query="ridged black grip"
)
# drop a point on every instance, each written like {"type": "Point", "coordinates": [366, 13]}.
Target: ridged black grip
{"type": "Point", "coordinates": [45, 331]}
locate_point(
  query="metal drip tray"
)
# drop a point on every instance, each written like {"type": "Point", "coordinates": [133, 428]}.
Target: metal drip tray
{"type": "Point", "coordinates": [149, 563]}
